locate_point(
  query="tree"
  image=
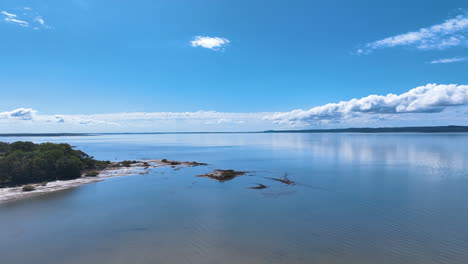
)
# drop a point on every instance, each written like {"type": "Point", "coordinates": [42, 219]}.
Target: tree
{"type": "Point", "coordinates": [26, 162]}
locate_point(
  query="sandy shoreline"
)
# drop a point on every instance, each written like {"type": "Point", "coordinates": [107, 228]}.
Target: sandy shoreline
{"type": "Point", "coordinates": [141, 167]}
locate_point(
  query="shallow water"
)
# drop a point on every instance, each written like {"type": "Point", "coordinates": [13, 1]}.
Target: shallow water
{"type": "Point", "coordinates": [359, 199]}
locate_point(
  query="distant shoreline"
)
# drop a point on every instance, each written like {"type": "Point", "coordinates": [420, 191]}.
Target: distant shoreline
{"type": "Point", "coordinates": [420, 129]}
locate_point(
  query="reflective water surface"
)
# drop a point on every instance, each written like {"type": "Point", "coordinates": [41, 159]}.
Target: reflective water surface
{"type": "Point", "coordinates": [359, 198]}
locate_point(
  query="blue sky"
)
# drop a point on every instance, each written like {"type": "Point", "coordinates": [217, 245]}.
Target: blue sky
{"type": "Point", "coordinates": [78, 65]}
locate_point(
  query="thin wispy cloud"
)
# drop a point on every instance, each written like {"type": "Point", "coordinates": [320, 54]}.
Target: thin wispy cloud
{"type": "Point", "coordinates": [431, 98]}
{"type": "Point", "coordinates": [213, 43]}
{"type": "Point", "coordinates": [9, 15]}
{"type": "Point", "coordinates": [449, 60]}
{"type": "Point", "coordinates": [17, 21]}
{"type": "Point", "coordinates": [26, 17]}
{"type": "Point", "coordinates": [451, 33]}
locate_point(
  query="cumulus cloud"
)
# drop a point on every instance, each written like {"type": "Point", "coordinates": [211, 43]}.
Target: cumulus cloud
{"type": "Point", "coordinates": [450, 33]}
{"type": "Point", "coordinates": [26, 18]}
{"type": "Point", "coordinates": [448, 60]}
{"type": "Point", "coordinates": [432, 98]}
{"type": "Point", "coordinates": [20, 113]}
{"type": "Point", "coordinates": [214, 43]}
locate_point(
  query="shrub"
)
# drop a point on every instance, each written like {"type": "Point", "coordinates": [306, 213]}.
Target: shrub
{"type": "Point", "coordinates": [28, 188]}
{"type": "Point", "coordinates": [128, 163]}
{"type": "Point", "coordinates": [92, 173]}
{"type": "Point", "coordinates": [26, 162]}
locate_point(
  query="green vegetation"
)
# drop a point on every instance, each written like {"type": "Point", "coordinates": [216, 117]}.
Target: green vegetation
{"type": "Point", "coordinates": [127, 163]}
{"type": "Point", "coordinates": [92, 173]}
{"type": "Point", "coordinates": [25, 162]}
{"type": "Point", "coordinates": [28, 188]}
{"type": "Point", "coordinates": [171, 162]}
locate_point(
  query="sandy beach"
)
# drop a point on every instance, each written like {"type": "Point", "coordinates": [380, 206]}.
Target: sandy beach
{"type": "Point", "coordinates": [141, 167]}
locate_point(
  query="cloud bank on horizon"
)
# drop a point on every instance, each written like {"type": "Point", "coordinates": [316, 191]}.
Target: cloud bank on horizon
{"type": "Point", "coordinates": [450, 33]}
{"type": "Point", "coordinates": [443, 104]}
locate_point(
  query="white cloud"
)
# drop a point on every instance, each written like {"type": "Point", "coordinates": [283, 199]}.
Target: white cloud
{"type": "Point", "coordinates": [224, 121]}
{"type": "Point", "coordinates": [9, 15]}
{"type": "Point", "coordinates": [20, 113]}
{"type": "Point", "coordinates": [27, 18]}
{"type": "Point", "coordinates": [17, 21]}
{"type": "Point", "coordinates": [450, 33]}
{"type": "Point", "coordinates": [205, 117]}
{"type": "Point", "coordinates": [135, 122]}
{"type": "Point", "coordinates": [40, 20]}
{"type": "Point", "coordinates": [432, 98]}
{"type": "Point", "coordinates": [214, 43]}
{"type": "Point", "coordinates": [75, 120]}
{"type": "Point", "coordinates": [449, 60]}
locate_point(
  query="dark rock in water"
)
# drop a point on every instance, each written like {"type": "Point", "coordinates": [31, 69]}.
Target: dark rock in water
{"type": "Point", "coordinates": [258, 187]}
{"type": "Point", "coordinates": [194, 164]}
{"type": "Point", "coordinates": [184, 163]}
{"type": "Point", "coordinates": [223, 175]}
{"type": "Point", "coordinates": [284, 180]}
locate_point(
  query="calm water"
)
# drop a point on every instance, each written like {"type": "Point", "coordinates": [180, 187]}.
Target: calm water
{"type": "Point", "coordinates": [359, 199]}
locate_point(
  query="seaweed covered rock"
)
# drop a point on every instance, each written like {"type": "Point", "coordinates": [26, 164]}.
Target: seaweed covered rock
{"type": "Point", "coordinates": [223, 175]}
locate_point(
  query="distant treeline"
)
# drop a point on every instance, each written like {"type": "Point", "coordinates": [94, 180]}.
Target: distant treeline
{"type": "Point", "coordinates": [44, 134]}
{"type": "Point", "coordinates": [432, 129]}
{"type": "Point", "coordinates": [24, 162]}
{"type": "Point", "coordinates": [421, 129]}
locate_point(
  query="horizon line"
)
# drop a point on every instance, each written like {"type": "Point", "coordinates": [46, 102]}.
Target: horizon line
{"type": "Point", "coordinates": [415, 129]}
